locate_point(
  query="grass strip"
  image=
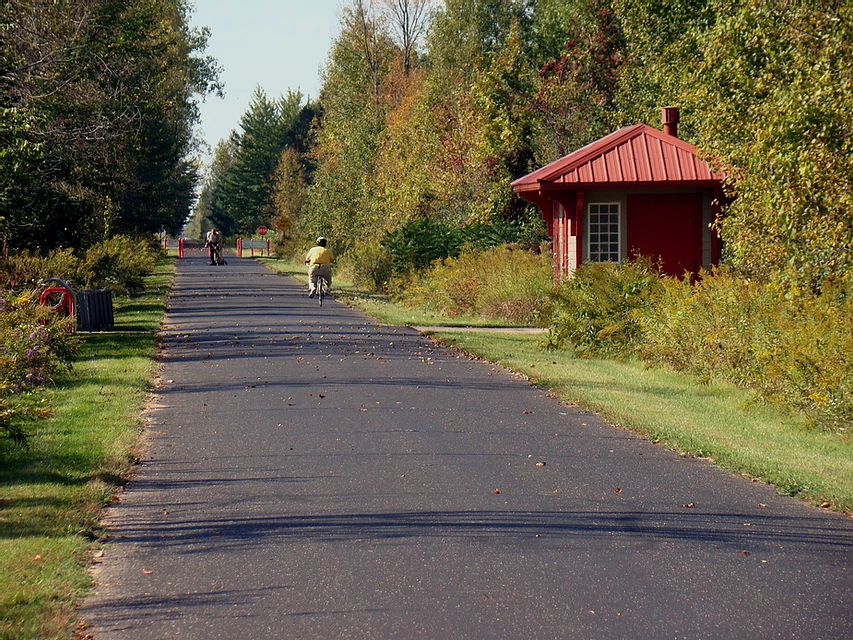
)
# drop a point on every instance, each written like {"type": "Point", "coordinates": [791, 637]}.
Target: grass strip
{"type": "Point", "coordinates": [52, 492]}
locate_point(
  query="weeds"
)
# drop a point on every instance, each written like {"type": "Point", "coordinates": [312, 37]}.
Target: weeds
{"type": "Point", "coordinates": [34, 345]}
{"type": "Point", "coordinates": [597, 310]}
{"type": "Point", "coordinates": [501, 283]}
{"type": "Point", "coordinates": [788, 346]}
{"type": "Point", "coordinates": [791, 347]}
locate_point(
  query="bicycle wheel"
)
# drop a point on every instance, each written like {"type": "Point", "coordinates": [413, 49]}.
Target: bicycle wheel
{"type": "Point", "coordinates": [321, 289]}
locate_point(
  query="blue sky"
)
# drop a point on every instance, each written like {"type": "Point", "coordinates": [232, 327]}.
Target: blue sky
{"type": "Point", "coordinates": [277, 44]}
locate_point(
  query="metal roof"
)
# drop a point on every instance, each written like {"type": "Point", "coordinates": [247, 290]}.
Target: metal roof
{"type": "Point", "coordinates": [638, 154]}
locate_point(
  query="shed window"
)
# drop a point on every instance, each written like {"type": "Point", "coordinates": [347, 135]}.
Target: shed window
{"type": "Point", "coordinates": [604, 232]}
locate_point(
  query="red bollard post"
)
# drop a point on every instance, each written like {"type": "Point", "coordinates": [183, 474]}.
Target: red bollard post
{"type": "Point", "coordinates": [180, 247]}
{"type": "Point", "coordinates": [239, 247]}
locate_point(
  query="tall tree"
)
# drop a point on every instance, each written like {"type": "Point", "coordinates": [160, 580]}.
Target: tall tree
{"type": "Point", "coordinates": [97, 104]}
{"type": "Point", "coordinates": [775, 94]}
{"type": "Point", "coordinates": [465, 33]}
{"type": "Point", "coordinates": [663, 44]}
{"type": "Point", "coordinates": [408, 21]}
{"type": "Point", "coordinates": [476, 51]}
{"type": "Point", "coordinates": [290, 183]}
{"type": "Point", "coordinates": [203, 217]}
{"type": "Point", "coordinates": [341, 200]}
{"type": "Point", "coordinates": [242, 196]}
{"type": "Point", "coordinates": [575, 100]}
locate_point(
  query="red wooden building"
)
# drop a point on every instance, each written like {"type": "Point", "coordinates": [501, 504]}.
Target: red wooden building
{"type": "Point", "coordinates": [637, 191]}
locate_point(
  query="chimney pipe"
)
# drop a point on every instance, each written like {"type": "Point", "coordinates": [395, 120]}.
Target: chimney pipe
{"type": "Point", "coordinates": [669, 116]}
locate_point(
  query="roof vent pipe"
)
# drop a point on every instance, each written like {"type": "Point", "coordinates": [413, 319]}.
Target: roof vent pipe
{"type": "Point", "coordinates": [669, 116]}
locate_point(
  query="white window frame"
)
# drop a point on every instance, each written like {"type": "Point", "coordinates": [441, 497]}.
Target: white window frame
{"type": "Point", "coordinates": [594, 241]}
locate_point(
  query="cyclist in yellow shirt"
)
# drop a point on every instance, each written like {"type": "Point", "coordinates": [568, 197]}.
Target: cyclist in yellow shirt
{"type": "Point", "coordinates": [319, 261]}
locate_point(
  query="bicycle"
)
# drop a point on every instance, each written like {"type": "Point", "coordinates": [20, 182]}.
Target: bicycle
{"type": "Point", "coordinates": [322, 289]}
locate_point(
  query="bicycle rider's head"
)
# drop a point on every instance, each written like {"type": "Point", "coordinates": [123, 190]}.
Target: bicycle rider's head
{"type": "Point", "coordinates": [321, 241]}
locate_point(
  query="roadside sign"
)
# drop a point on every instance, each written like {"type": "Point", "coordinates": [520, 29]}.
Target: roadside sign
{"type": "Point", "coordinates": [262, 230]}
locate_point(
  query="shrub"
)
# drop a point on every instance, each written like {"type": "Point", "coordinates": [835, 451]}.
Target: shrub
{"type": "Point", "coordinates": [712, 329]}
{"type": "Point", "coordinates": [369, 265]}
{"type": "Point", "coordinates": [791, 347]}
{"type": "Point", "coordinates": [120, 263]}
{"type": "Point", "coordinates": [34, 345]}
{"type": "Point", "coordinates": [417, 244]}
{"type": "Point", "coordinates": [25, 269]}
{"type": "Point", "coordinates": [289, 248]}
{"type": "Point", "coordinates": [501, 284]}
{"type": "Point", "coordinates": [597, 310]}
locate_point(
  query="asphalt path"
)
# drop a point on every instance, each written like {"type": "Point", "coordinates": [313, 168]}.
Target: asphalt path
{"type": "Point", "coordinates": [314, 474]}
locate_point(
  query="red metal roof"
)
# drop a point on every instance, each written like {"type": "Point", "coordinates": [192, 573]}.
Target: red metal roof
{"type": "Point", "coordinates": [638, 154]}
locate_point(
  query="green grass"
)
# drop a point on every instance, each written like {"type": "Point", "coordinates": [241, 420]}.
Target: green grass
{"type": "Point", "coordinates": [51, 493]}
{"type": "Point", "coordinates": [715, 421]}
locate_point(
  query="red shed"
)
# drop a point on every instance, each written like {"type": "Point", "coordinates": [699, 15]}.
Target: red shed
{"type": "Point", "coordinates": [637, 191]}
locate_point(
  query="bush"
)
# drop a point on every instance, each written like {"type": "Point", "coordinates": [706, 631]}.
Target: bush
{"type": "Point", "coordinates": [120, 263]}
{"type": "Point", "coordinates": [369, 265]}
{"type": "Point", "coordinates": [25, 269]}
{"type": "Point", "coordinates": [791, 347]}
{"type": "Point", "coordinates": [501, 284]}
{"type": "Point", "coordinates": [417, 244]}
{"type": "Point", "coordinates": [712, 329]}
{"type": "Point", "coordinates": [597, 310]}
{"type": "Point", "coordinates": [34, 345]}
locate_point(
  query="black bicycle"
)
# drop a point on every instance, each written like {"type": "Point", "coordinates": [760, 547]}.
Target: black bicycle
{"type": "Point", "coordinates": [322, 289]}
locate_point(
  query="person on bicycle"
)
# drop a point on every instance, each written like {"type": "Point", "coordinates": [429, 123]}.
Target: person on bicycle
{"type": "Point", "coordinates": [319, 261]}
{"type": "Point", "coordinates": [213, 242]}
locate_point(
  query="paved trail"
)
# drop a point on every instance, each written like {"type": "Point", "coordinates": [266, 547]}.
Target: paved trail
{"type": "Point", "coordinates": [315, 475]}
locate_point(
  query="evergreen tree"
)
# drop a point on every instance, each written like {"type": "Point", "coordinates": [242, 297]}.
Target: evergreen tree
{"type": "Point", "coordinates": [241, 196]}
